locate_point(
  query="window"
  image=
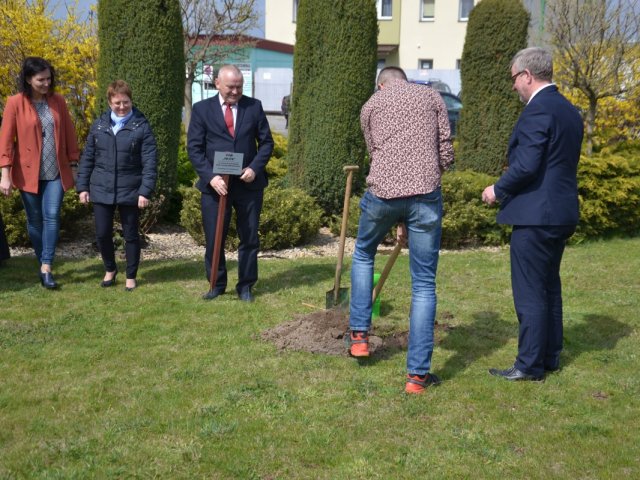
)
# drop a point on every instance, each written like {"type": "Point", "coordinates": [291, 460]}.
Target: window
{"type": "Point", "coordinates": [426, 64]}
{"type": "Point", "coordinates": [427, 10]}
{"type": "Point", "coordinates": [295, 10]}
{"type": "Point", "coordinates": [458, 61]}
{"type": "Point", "coordinates": [384, 9]}
{"type": "Point", "coordinates": [465, 9]}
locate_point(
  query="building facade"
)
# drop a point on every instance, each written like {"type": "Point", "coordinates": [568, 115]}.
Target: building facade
{"type": "Point", "coordinates": [267, 68]}
{"type": "Point", "coordinates": [414, 34]}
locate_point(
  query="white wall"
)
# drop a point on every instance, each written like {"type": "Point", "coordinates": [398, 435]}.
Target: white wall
{"type": "Point", "coordinates": [440, 40]}
{"type": "Point", "coordinates": [279, 25]}
{"type": "Point", "coordinates": [270, 85]}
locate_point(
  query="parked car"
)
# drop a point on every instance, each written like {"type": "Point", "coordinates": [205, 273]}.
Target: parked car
{"type": "Point", "coordinates": [453, 103]}
{"type": "Point", "coordinates": [434, 83]}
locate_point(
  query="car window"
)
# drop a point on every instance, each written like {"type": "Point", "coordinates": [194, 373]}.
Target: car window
{"type": "Point", "coordinates": [452, 103]}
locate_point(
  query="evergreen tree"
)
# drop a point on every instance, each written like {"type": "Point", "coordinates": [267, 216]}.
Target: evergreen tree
{"type": "Point", "coordinates": [334, 74]}
{"type": "Point", "coordinates": [496, 31]}
{"type": "Point", "coordinates": [141, 43]}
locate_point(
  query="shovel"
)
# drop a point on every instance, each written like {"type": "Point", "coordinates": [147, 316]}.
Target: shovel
{"type": "Point", "coordinates": [340, 296]}
{"type": "Point", "coordinates": [217, 242]}
{"type": "Point", "coordinates": [385, 273]}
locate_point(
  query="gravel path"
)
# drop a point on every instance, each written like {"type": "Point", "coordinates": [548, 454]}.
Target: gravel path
{"type": "Point", "coordinates": [173, 242]}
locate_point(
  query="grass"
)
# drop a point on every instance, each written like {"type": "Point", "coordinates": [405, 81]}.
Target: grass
{"type": "Point", "coordinates": [100, 383]}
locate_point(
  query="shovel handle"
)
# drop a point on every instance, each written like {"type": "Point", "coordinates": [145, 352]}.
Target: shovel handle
{"type": "Point", "coordinates": [217, 241]}
{"type": "Point", "coordinates": [349, 169]}
{"type": "Point", "coordinates": [385, 273]}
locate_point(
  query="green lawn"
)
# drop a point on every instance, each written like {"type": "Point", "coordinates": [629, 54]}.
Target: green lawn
{"type": "Point", "coordinates": [157, 383]}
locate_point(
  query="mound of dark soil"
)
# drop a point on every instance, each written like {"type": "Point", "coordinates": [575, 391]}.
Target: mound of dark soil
{"type": "Point", "coordinates": [324, 332]}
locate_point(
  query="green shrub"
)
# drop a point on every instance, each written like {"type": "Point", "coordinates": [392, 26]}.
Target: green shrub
{"type": "Point", "coordinates": [191, 214]}
{"type": "Point", "coordinates": [278, 165]}
{"type": "Point", "coordinates": [609, 190]}
{"type": "Point", "coordinates": [188, 217]}
{"type": "Point", "coordinates": [335, 222]}
{"type": "Point", "coordinates": [142, 43]}
{"type": "Point", "coordinates": [15, 218]}
{"type": "Point", "coordinates": [467, 222]}
{"type": "Point", "coordinates": [334, 69]}
{"type": "Point", "coordinates": [186, 177]}
{"type": "Point", "coordinates": [289, 218]}
{"type": "Point", "coordinates": [281, 146]}
{"type": "Point", "coordinates": [496, 30]}
{"type": "Point", "coordinates": [186, 173]}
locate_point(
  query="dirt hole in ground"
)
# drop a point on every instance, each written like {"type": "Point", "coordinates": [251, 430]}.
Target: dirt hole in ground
{"type": "Point", "coordinates": [325, 331]}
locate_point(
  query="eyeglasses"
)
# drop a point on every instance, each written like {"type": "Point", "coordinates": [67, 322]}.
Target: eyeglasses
{"type": "Point", "coordinates": [516, 75]}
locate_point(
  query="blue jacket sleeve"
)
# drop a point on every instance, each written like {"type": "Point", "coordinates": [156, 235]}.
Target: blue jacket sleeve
{"type": "Point", "coordinates": [149, 163]}
{"type": "Point", "coordinates": [87, 162]}
{"type": "Point", "coordinates": [527, 151]}
{"type": "Point", "coordinates": [196, 145]}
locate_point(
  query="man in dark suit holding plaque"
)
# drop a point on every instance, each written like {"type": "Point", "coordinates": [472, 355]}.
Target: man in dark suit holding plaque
{"type": "Point", "coordinates": [231, 123]}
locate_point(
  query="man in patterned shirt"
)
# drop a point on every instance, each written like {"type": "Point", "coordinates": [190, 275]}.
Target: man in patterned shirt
{"type": "Point", "coordinates": [406, 129]}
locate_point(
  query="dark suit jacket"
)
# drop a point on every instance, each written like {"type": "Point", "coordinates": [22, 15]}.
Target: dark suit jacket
{"type": "Point", "coordinates": [208, 134]}
{"type": "Point", "coordinates": [540, 185]}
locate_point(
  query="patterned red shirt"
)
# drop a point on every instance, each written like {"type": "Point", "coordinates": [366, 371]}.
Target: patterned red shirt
{"type": "Point", "coordinates": [406, 128]}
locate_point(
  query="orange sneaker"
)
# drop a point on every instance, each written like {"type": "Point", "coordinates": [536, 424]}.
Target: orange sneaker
{"type": "Point", "coordinates": [359, 344]}
{"type": "Point", "coordinates": [418, 383]}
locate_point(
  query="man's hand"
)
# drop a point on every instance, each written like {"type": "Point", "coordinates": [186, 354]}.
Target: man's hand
{"type": "Point", "coordinates": [143, 202]}
{"type": "Point", "coordinates": [84, 197]}
{"type": "Point", "coordinates": [402, 234]}
{"type": "Point", "coordinates": [248, 175]}
{"type": "Point", "coordinates": [489, 195]}
{"type": "Point", "coordinates": [217, 183]}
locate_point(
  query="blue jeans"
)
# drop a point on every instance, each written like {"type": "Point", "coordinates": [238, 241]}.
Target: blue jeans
{"type": "Point", "coordinates": [43, 218]}
{"type": "Point", "coordinates": [422, 215]}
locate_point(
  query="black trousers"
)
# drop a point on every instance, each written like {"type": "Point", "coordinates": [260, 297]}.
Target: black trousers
{"type": "Point", "coordinates": [248, 205]}
{"type": "Point", "coordinates": [4, 245]}
{"type": "Point", "coordinates": [129, 217]}
{"type": "Point", "coordinates": [536, 254]}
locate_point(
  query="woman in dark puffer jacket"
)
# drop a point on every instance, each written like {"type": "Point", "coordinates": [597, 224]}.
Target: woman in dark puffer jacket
{"type": "Point", "coordinates": [118, 169]}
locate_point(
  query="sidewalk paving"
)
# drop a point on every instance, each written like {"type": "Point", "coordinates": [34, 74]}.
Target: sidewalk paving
{"type": "Point", "coordinates": [277, 122]}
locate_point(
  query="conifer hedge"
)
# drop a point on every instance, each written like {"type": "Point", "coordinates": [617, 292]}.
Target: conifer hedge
{"type": "Point", "coordinates": [141, 43]}
{"type": "Point", "coordinates": [496, 31]}
{"type": "Point", "coordinates": [334, 70]}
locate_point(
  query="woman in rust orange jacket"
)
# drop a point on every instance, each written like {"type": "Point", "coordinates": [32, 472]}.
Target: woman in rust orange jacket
{"type": "Point", "coordinates": [38, 147]}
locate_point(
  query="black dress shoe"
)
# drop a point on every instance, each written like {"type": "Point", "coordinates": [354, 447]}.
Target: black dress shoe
{"type": "Point", "coordinates": [211, 294]}
{"type": "Point", "coordinates": [47, 281]}
{"type": "Point", "coordinates": [109, 283]}
{"type": "Point", "coordinates": [130, 289]}
{"type": "Point", "coordinates": [246, 296]}
{"type": "Point", "coordinates": [514, 374]}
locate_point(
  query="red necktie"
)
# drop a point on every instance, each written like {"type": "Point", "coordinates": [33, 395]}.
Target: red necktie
{"type": "Point", "coordinates": [228, 119]}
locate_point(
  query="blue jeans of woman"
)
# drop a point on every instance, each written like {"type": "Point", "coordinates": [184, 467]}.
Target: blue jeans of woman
{"type": "Point", "coordinates": [43, 218]}
{"type": "Point", "coordinates": [422, 215]}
